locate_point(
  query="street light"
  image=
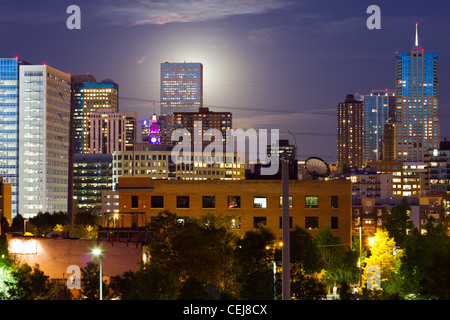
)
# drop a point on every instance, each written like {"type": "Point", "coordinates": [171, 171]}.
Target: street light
{"type": "Point", "coordinates": [97, 252]}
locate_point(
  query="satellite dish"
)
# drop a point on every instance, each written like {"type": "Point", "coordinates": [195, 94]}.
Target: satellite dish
{"type": "Point", "coordinates": [317, 167]}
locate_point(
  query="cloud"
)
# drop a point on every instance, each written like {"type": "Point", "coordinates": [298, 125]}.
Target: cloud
{"type": "Point", "coordinates": [264, 36]}
{"type": "Point", "coordinates": [139, 12]}
{"type": "Point", "coordinates": [141, 60]}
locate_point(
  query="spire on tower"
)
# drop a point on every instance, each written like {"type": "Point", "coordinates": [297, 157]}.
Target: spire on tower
{"type": "Point", "coordinates": [417, 37]}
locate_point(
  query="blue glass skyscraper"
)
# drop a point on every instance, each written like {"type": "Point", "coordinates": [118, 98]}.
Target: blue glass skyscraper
{"type": "Point", "coordinates": [417, 94]}
{"type": "Point", "coordinates": [181, 87]}
{"type": "Point", "coordinates": [379, 108]}
{"type": "Point", "coordinates": [9, 126]}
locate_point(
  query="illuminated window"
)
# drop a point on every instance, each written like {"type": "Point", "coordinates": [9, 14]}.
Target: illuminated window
{"type": "Point", "coordinates": [234, 202]}
{"type": "Point", "coordinates": [259, 202]}
{"type": "Point", "coordinates": [290, 202]}
{"type": "Point", "coordinates": [311, 202]}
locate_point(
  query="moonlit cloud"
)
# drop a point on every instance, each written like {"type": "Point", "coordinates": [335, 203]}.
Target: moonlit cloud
{"type": "Point", "coordinates": [141, 60]}
{"type": "Point", "coordinates": [161, 12]}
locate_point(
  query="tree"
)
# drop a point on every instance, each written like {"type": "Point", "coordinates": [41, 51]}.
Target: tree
{"type": "Point", "coordinates": [150, 282]}
{"type": "Point", "coordinates": [44, 222]}
{"type": "Point", "coordinates": [305, 265]}
{"type": "Point", "coordinates": [338, 259]}
{"type": "Point", "coordinates": [398, 224]}
{"type": "Point", "coordinates": [425, 263]}
{"type": "Point", "coordinates": [253, 265]}
{"type": "Point", "coordinates": [32, 283]}
{"type": "Point", "coordinates": [90, 289]}
{"type": "Point", "coordinates": [8, 283]}
{"type": "Point", "coordinates": [386, 257]}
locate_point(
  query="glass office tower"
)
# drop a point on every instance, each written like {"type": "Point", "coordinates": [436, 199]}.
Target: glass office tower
{"type": "Point", "coordinates": [89, 97]}
{"type": "Point", "coordinates": [379, 107]}
{"type": "Point", "coordinates": [417, 103]}
{"type": "Point", "coordinates": [181, 87]}
{"type": "Point", "coordinates": [9, 126]}
{"type": "Point", "coordinates": [44, 122]}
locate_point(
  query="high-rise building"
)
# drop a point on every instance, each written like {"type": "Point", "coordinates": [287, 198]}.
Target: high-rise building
{"type": "Point", "coordinates": [92, 175]}
{"type": "Point", "coordinates": [89, 97]}
{"type": "Point", "coordinates": [181, 87]}
{"type": "Point", "coordinates": [9, 125]}
{"type": "Point", "coordinates": [44, 135]}
{"type": "Point", "coordinates": [379, 107]}
{"type": "Point", "coordinates": [130, 129]}
{"type": "Point", "coordinates": [390, 141]}
{"type": "Point", "coordinates": [417, 96]}
{"type": "Point", "coordinates": [221, 121]}
{"type": "Point", "coordinates": [164, 125]}
{"type": "Point", "coordinates": [78, 83]}
{"type": "Point", "coordinates": [350, 133]}
{"type": "Point", "coordinates": [154, 136]}
{"type": "Point", "coordinates": [107, 131]}
{"type": "Point", "coordinates": [438, 166]}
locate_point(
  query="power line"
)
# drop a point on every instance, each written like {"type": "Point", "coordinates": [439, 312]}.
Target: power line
{"type": "Point", "coordinates": [274, 109]}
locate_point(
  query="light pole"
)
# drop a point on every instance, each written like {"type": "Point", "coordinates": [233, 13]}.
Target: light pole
{"type": "Point", "coordinates": [286, 278]}
{"type": "Point", "coordinates": [97, 252]}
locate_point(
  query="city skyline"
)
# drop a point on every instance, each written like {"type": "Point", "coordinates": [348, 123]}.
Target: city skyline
{"type": "Point", "coordinates": [274, 64]}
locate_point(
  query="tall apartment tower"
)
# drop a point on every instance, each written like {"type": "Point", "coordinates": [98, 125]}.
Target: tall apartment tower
{"type": "Point", "coordinates": [417, 93]}
{"type": "Point", "coordinates": [379, 107]}
{"type": "Point", "coordinates": [90, 97]}
{"type": "Point", "coordinates": [350, 133]}
{"type": "Point", "coordinates": [44, 135]}
{"type": "Point", "coordinates": [107, 131]}
{"type": "Point", "coordinates": [181, 87]}
{"type": "Point", "coordinates": [9, 125]}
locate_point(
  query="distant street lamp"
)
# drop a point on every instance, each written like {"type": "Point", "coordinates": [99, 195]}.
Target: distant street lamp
{"type": "Point", "coordinates": [97, 252]}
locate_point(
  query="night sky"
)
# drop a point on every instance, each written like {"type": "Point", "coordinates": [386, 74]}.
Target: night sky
{"type": "Point", "coordinates": [273, 63]}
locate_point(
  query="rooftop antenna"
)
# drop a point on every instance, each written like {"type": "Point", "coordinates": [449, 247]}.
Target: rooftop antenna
{"type": "Point", "coordinates": [417, 36]}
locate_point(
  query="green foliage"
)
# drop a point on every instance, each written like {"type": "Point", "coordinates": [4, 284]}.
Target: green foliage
{"type": "Point", "coordinates": [253, 265]}
{"type": "Point", "coordinates": [338, 259]}
{"type": "Point", "coordinates": [32, 283]}
{"type": "Point", "coordinates": [8, 283]}
{"type": "Point", "coordinates": [424, 264]}
{"type": "Point", "coordinates": [44, 222]}
{"type": "Point", "coordinates": [386, 257]}
{"type": "Point", "coordinates": [150, 282]}
{"type": "Point", "coordinates": [398, 224]}
{"type": "Point", "coordinates": [90, 290]}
